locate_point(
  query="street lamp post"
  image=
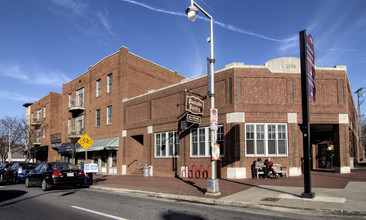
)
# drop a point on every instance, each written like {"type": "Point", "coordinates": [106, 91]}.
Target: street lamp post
{"type": "Point", "coordinates": [9, 125]}
{"type": "Point", "coordinates": [192, 11]}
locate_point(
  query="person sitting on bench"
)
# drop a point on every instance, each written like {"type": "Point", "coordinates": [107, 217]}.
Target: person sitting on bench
{"type": "Point", "coordinates": [270, 167]}
{"type": "Point", "coordinates": [261, 168]}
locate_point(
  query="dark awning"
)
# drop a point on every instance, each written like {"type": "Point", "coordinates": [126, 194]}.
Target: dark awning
{"type": "Point", "coordinates": [38, 148]}
{"type": "Point", "coordinates": [66, 148]}
{"type": "Point", "coordinates": [56, 146]}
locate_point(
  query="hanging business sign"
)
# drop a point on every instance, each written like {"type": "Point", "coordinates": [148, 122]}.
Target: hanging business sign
{"type": "Point", "coordinates": [194, 105]}
{"type": "Point", "coordinates": [194, 119]}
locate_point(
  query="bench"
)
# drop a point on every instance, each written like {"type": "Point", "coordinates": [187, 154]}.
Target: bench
{"type": "Point", "coordinates": [281, 170]}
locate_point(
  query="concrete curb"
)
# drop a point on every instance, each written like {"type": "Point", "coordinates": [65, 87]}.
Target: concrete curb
{"type": "Point", "coordinates": [211, 201]}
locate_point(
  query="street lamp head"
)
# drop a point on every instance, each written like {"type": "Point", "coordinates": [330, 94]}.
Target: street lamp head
{"type": "Point", "coordinates": [192, 13]}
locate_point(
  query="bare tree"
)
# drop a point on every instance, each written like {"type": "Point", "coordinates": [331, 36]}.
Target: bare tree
{"type": "Point", "coordinates": [11, 130]}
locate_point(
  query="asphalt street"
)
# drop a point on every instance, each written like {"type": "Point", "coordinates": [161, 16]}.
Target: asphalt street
{"type": "Point", "coordinates": [19, 202]}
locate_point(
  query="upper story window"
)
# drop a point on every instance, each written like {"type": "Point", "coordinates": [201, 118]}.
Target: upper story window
{"type": "Point", "coordinates": [97, 118]}
{"type": "Point", "coordinates": [79, 125]}
{"type": "Point", "coordinates": [70, 99]}
{"type": "Point", "coordinates": [109, 115]}
{"type": "Point", "coordinates": [166, 144]}
{"type": "Point", "coordinates": [266, 139]}
{"type": "Point", "coordinates": [69, 125]}
{"type": "Point", "coordinates": [98, 88]}
{"type": "Point", "coordinates": [44, 112]}
{"type": "Point", "coordinates": [109, 83]}
{"type": "Point", "coordinates": [80, 97]}
{"type": "Point", "coordinates": [39, 114]}
{"type": "Point", "coordinates": [201, 141]}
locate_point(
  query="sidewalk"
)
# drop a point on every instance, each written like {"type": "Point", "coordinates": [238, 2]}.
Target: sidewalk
{"type": "Point", "coordinates": [335, 194]}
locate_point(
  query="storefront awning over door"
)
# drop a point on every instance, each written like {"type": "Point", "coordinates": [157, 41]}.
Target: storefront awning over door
{"type": "Point", "coordinates": [66, 148]}
{"type": "Point", "coordinates": [103, 144]}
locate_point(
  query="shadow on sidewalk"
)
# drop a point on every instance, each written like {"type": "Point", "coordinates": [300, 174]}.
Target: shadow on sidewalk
{"type": "Point", "coordinates": [192, 184]}
{"type": "Point", "coordinates": [261, 187]}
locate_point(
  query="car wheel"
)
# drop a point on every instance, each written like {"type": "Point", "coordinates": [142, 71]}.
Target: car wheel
{"type": "Point", "coordinates": [27, 182]}
{"type": "Point", "coordinates": [45, 186]}
{"type": "Point", "coordinates": [78, 185]}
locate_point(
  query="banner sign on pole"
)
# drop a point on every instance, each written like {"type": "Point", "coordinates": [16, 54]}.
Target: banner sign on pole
{"type": "Point", "coordinates": [310, 62]}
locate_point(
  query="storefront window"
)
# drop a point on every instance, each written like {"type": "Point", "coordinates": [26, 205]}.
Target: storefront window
{"type": "Point", "coordinates": [266, 139]}
{"type": "Point", "coordinates": [201, 141]}
{"type": "Point", "coordinates": [166, 144]}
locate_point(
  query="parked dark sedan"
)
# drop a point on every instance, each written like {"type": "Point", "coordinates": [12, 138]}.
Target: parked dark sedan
{"type": "Point", "coordinates": [4, 170]}
{"type": "Point", "coordinates": [18, 171]}
{"type": "Point", "coordinates": [50, 174]}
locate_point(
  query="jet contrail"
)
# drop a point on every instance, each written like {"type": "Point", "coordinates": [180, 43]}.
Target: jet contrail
{"type": "Point", "coordinates": [223, 25]}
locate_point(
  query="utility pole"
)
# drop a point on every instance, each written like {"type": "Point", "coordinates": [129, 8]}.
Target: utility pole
{"type": "Point", "coordinates": [359, 95]}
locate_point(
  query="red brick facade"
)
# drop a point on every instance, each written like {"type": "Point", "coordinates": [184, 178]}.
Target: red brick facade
{"type": "Point", "coordinates": [258, 93]}
{"type": "Point", "coordinates": [148, 101]}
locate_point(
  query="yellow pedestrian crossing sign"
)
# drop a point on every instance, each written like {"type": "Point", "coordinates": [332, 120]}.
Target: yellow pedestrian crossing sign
{"type": "Point", "coordinates": [85, 141]}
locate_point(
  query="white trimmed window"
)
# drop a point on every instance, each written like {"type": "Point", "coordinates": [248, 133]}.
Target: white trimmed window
{"type": "Point", "coordinates": [98, 88]}
{"type": "Point", "coordinates": [44, 112]}
{"type": "Point", "coordinates": [109, 83]}
{"type": "Point", "coordinates": [266, 139]}
{"type": "Point", "coordinates": [201, 141]}
{"type": "Point", "coordinates": [167, 144]}
{"type": "Point", "coordinates": [109, 115]}
{"type": "Point", "coordinates": [80, 97]}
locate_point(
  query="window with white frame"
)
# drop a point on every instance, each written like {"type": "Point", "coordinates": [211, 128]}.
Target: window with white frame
{"type": "Point", "coordinates": [70, 100]}
{"type": "Point", "coordinates": [44, 132]}
{"type": "Point", "coordinates": [266, 139]}
{"type": "Point", "coordinates": [80, 97]}
{"type": "Point", "coordinates": [69, 125]}
{"type": "Point", "coordinates": [39, 114]}
{"type": "Point", "coordinates": [44, 112]}
{"type": "Point", "coordinates": [167, 144]}
{"type": "Point", "coordinates": [109, 115]}
{"type": "Point", "coordinates": [201, 141]}
{"type": "Point", "coordinates": [98, 88]}
{"type": "Point", "coordinates": [109, 83]}
{"type": "Point", "coordinates": [79, 125]}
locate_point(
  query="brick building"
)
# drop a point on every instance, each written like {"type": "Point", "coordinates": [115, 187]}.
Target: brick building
{"type": "Point", "coordinates": [259, 116]}
{"type": "Point", "coordinates": [135, 111]}
{"type": "Point", "coordinates": [92, 104]}
{"type": "Point", "coordinates": [44, 119]}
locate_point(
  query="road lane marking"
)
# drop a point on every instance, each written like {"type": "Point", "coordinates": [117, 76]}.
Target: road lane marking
{"type": "Point", "coordinates": [98, 213]}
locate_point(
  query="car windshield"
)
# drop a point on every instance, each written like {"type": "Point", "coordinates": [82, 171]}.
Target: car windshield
{"type": "Point", "coordinates": [62, 166]}
{"type": "Point", "coordinates": [29, 165]}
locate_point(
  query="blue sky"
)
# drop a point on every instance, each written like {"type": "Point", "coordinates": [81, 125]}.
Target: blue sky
{"type": "Point", "coordinates": [44, 43]}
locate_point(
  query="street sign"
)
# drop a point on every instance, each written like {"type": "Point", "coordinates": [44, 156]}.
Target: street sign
{"type": "Point", "coordinates": [85, 141]}
{"type": "Point", "coordinates": [215, 152]}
